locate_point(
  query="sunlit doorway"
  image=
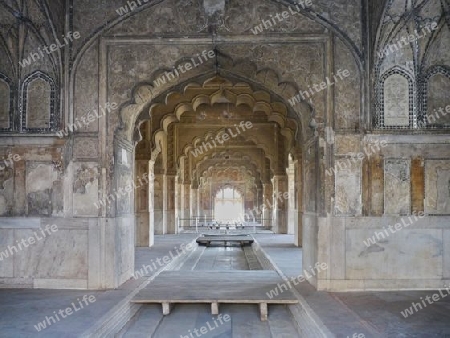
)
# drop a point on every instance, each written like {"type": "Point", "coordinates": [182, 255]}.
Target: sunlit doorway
{"type": "Point", "coordinates": [228, 205]}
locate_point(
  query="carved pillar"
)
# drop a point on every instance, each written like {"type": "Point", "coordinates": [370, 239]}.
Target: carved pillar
{"type": "Point", "coordinates": [298, 231]}
{"type": "Point", "coordinates": [157, 202]}
{"type": "Point", "coordinates": [185, 208]}
{"type": "Point", "coordinates": [169, 221]}
{"type": "Point", "coordinates": [280, 195]}
{"type": "Point", "coordinates": [141, 205]}
{"type": "Point", "coordinates": [205, 200]}
{"type": "Point", "coordinates": [268, 204]}
{"type": "Point", "coordinates": [259, 203]}
{"type": "Point", "coordinates": [151, 203]}
{"type": "Point", "coordinates": [292, 209]}
{"type": "Point", "coordinates": [178, 203]}
{"type": "Point", "coordinates": [194, 200]}
{"type": "Point", "coordinates": [201, 198]}
{"type": "Point", "coordinates": [209, 210]}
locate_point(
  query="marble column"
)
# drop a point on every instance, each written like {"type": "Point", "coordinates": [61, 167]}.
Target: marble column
{"type": "Point", "coordinates": [193, 204]}
{"type": "Point", "coordinates": [298, 235]}
{"type": "Point", "coordinates": [185, 207]}
{"type": "Point", "coordinates": [169, 221]}
{"type": "Point", "coordinates": [205, 201]}
{"type": "Point", "coordinates": [280, 197]}
{"type": "Point", "coordinates": [268, 205]}
{"type": "Point", "coordinates": [178, 197]}
{"type": "Point", "coordinates": [151, 197]}
{"type": "Point", "coordinates": [292, 209]}
{"type": "Point", "coordinates": [194, 200]}
{"type": "Point", "coordinates": [141, 205]}
{"type": "Point", "coordinates": [157, 204]}
{"type": "Point", "coordinates": [298, 231]}
{"type": "Point", "coordinates": [259, 203]}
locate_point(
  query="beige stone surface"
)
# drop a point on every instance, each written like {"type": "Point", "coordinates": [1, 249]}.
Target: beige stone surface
{"type": "Point", "coordinates": [395, 255]}
{"type": "Point", "coordinates": [252, 77]}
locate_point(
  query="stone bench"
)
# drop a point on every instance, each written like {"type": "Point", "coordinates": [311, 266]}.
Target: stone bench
{"type": "Point", "coordinates": [215, 287]}
{"type": "Point", "coordinates": [241, 239]}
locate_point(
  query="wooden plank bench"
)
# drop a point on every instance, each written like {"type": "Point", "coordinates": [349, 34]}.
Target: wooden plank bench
{"type": "Point", "coordinates": [241, 239]}
{"type": "Point", "coordinates": [215, 287]}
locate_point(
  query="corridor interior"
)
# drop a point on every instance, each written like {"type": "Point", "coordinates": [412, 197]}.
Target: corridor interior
{"type": "Point", "coordinates": [184, 318]}
{"type": "Point", "coordinates": [341, 315]}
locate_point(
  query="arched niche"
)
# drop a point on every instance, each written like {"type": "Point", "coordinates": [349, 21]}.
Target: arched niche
{"type": "Point", "coordinates": [6, 103]}
{"type": "Point", "coordinates": [38, 106]}
{"type": "Point", "coordinates": [396, 101]}
{"type": "Point", "coordinates": [435, 98]}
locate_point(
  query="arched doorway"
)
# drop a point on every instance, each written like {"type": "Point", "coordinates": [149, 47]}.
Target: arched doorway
{"type": "Point", "coordinates": [228, 205]}
{"type": "Point", "coordinates": [217, 134]}
{"type": "Point", "coordinates": [267, 76]}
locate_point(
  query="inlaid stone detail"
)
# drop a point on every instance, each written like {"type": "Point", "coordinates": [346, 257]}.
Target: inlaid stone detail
{"type": "Point", "coordinates": [396, 101]}
{"type": "Point", "coordinates": [437, 187]}
{"type": "Point", "coordinates": [397, 187]}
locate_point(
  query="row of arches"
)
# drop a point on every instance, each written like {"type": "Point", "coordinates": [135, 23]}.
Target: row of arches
{"type": "Point", "coordinates": [244, 175]}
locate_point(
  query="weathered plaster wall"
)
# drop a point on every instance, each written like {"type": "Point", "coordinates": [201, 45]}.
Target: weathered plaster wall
{"type": "Point", "coordinates": [60, 180]}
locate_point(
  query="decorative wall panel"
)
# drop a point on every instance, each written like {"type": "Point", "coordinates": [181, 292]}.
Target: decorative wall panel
{"type": "Point", "coordinates": [437, 187]}
{"type": "Point", "coordinates": [348, 188]}
{"type": "Point", "coordinates": [6, 103]}
{"type": "Point", "coordinates": [437, 99]}
{"type": "Point", "coordinates": [85, 189]}
{"type": "Point", "coordinates": [39, 103]}
{"type": "Point", "coordinates": [397, 187]}
{"type": "Point", "coordinates": [396, 101]}
{"type": "Point", "coordinates": [40, 178]}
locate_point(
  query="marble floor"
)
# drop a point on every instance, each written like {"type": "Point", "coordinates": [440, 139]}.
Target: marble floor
{"type": "Point", "coordinates": [362, 314]}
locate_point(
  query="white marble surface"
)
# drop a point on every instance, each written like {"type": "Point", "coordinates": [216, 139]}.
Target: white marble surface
{"type": "Point", "coordinates": [62, 254]}
{"type": "Point", "coordinates": [397, 186]}
{"type": "Point", "coordinates": [7, 264]}
{"type": "Point", "coordinates": [40, 178]}
{"type": "Point", "coordinates": [84, 202]}
{"type": "Point", "coordinates": [407, 254]}
{"type": "Point", "coordinates": [414, 257]}
{"type": "Point", "coordinates": [446, 256]}
{"type": "Point", "coordinates": [348, 188]}
{"type": "Point", "coordinates": [437, 187]}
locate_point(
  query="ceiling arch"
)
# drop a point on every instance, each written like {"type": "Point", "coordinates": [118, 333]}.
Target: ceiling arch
{"type": "Point", "coordinates": [220, 91]}
{"type": "Point", "coordinates": [317, 13]}
{"type": "Point", "coordinates": [245, 160]}
{"type": "Point", "coordinates": [147, 100]}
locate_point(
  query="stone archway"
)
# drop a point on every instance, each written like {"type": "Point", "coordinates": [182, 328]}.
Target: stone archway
{"type": "Point", "coordinates": [179, 175]}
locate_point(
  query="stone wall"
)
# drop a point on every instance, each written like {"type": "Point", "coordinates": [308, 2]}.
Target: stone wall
{"type": "Point", "coordinates": [63, 179]}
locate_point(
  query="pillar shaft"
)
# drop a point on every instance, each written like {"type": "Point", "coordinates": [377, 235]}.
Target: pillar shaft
{"type": "Point", "coordinates": [169, 221]}
{"type": "Point", "coordinates": [151, 197]}
{"type": "Point", "coordinates": [291, 207]}
{"type": "Point", "coordinates": [185, 208]}
{"type": "Point", "coordinates": [280, 196]}
{"type": "Point", "coordinates": [268, 205]}
{"type": "Point", "coordinates": [194, 202]}
{"type": "Point", "coordinates": [157, 204]}
{"type": "Point", "coordinates": [298, 234]}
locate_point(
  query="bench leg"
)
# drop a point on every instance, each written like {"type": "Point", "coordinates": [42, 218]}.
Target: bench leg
{"type": "Point", "coordinates": [166, 308]}
{"type": "Point", "coordinates": [214, 308]}
{"type": "Point", "coordinates": [264, 311]}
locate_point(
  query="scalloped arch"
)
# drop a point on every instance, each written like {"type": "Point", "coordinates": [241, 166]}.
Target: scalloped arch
{"type": "Point", "coordinates": [258, 101]}
{"type": "Point", "coordinates": [248, 162]}
{"type": "Point", "coordinates": [137, 109]}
